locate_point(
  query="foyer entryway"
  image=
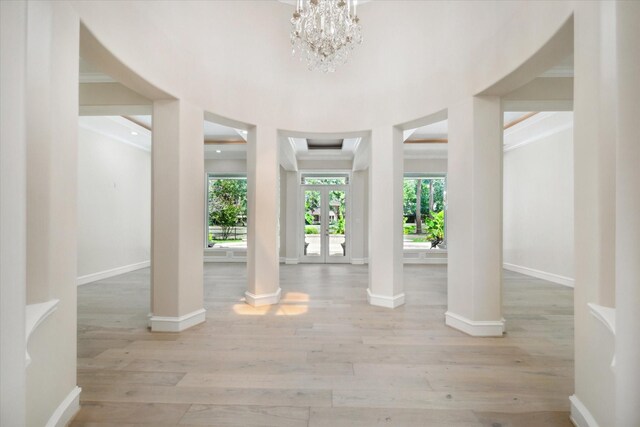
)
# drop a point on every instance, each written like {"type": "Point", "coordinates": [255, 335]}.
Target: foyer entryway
{"type": "Point", "coordinates": [325, 224]}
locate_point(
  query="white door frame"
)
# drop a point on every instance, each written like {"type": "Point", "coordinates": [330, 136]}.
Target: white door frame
{"type": "Point", "coordinates": [325, 258]}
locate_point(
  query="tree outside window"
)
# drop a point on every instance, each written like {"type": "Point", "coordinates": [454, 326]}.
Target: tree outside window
{"type": "Point", "coordinates": [423, 210]}
{"type": "Point", "coordinates": [227, 208]}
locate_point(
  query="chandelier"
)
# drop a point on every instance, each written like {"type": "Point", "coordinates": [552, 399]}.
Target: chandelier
{"type": "Point", "coordinates": [325, 32]}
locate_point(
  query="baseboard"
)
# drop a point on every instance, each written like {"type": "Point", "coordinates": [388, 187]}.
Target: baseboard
{"type": "Point", "coordinates": [262, 299]}
{"type": "Point", "coordinates": [550, 277]}
{"type": "Point", "coordinates": [290, 261]}
{"type": "Point", "coordinates": [224, 259]}
{"type": "Point", "coordinates": [177, 324]}
{"type": "Point", "coordinates": [441, 261]}
{"type": "Point", "coordinates": [476, 328]}
{"type": "Point", "coordinates": [68, 409]}
{"type": "Point", "coordinates": [385, 301]}
{"type": "Point", "coordinates": [93, 277]}
{"type": "Point", "coordinates": [580, 415]}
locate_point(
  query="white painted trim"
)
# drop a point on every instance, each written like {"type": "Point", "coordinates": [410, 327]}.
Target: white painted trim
{"type": "Point", "coordinates": [607, 316]}
{"type": "Point", "coordinates": [177, 324]}
{"type": "Point", "coordinates": [34, 316]}
{"type": "Point", "coordinates": [224, 259]}
{"type": "Point", "coordinates": [550, 277]}
{"type": "Point", "coordinates": [67, 409]}
{"type": "Point", "coordinates": [424, 260]}
{"type": "Point", "coordinates": [230, 255]}
{"type": "Point", "coordinates": [263, 299]}
{"type": "Point", "coordinates": [291, 260]}
{"type": "Point", "coordinates": [94, 277]}
{"type": "Point", "coordinates": [580, 415]}
{"type": "Point", "coordinates": [86, 77]}
{"type": "Point", "coordinates": [476, 328]}
{"type": "Point", "coordinates": [385, 301]}
{"type": "Point", "coordinates": [358, 261]}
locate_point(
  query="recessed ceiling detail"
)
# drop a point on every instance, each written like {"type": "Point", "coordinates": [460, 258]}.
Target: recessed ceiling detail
{"type": "Point", "coordinates": [324, 144]}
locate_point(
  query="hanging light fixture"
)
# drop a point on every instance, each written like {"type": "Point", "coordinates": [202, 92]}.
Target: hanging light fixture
{"type": "Point", "coordinates": [324, 32]}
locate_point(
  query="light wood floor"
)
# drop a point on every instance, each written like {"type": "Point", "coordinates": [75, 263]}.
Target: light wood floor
{"type": "Point", "coordinates": [323, 357]}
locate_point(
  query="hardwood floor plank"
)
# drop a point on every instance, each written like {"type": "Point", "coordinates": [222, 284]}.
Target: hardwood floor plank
{"type": "Point", "coordinates": [306, 381]}
{"type": "Point", "coordinates": [207, 395]}
{"type": "Point", "coordinates": [369, 417]}
{"type": "Point", "coordinates": [141, 413]}
{"type": "Point", "coordinates": [246, 416]}
{"type": "Point", "coordinates": [122, 377]}
{"type": "Point", "coordinates": [496, 401]}
{"type": "Point", "coordinates": [527, 419]}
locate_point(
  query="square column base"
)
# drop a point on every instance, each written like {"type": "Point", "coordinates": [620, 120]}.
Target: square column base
{"type": "Point", "coordinates": [385, 301]}
{"type": "Point", "coordinates": [475, 328]}
{"type": "Point", "coordinates": [262, 299]}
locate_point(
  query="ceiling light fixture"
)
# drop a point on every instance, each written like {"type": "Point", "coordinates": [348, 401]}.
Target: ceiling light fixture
{"type": "Point", "coordinates": [134, 133]}
{"type": "Point", "coordinates": [325, 32]}
{"type": "Point", "coordinates": [218, 151]}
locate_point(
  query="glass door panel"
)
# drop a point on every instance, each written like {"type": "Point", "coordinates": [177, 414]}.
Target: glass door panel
{"type": "Point", "coordinates": [313, 229]}
{"type": "Point", "coordinates": [325, 234]}
{"type": "Point", "coordinates": [337, 223]}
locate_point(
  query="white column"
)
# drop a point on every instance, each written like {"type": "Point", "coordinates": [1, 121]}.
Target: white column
{"type": "Point", "coordinates": [474, 217]}
{"type": "Point", "coordinates": [177, 216]}
{"type": "Point", "coordinates": [13, 48]}
{"type": "Point", "coordinates": [385, 210]}
{"type": "Point", "coordinates": [628, 218]}
{"type": "Point", "coordinates": [263, 204]}
{"type": "Point", "coordinates": [292, 232]}
{"type": "Point", "coordinates": [594, 207]}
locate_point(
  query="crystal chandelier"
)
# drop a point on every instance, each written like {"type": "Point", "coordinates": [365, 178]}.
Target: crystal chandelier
{"type": "Point", "coordinates": [325, 32]}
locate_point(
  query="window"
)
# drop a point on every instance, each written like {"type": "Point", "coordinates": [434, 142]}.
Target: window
{"type": "Point", "coordinates": [424, 200]}
{"type": "Point", "coordinates": [227, 212]}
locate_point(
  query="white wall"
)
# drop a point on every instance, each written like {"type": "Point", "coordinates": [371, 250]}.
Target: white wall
{"type": "Point", "coordinates": [412, 165]}
{"type": "Point", "coordinates": [538, 197]}
{"type": "Point", "coordinates": [114, 204]}
{"type": "Point", "coordinates": [226, 166]}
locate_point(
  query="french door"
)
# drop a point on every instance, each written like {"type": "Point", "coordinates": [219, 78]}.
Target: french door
{"type": "Point", "coordinates": [325, 234]}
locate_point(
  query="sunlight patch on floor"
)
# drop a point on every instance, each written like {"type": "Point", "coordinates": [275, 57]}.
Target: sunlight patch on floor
{"type": "Point", "coordinates": [290, 305]}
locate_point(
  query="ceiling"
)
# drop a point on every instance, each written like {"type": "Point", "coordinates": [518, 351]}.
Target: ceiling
{"type": "Point", "coordinates": [324, 148]}
{"type": "Point", "coordinates": [118, 128]}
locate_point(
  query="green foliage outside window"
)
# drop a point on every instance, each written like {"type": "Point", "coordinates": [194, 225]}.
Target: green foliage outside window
{"type": "Point", "coordinates": [227, 204]}
{"type": "Point", "coordinates": [435, 227]}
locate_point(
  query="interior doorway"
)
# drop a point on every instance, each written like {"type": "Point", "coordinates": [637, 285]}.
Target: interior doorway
{"type": "Point", "coordinates": [325, 233]}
